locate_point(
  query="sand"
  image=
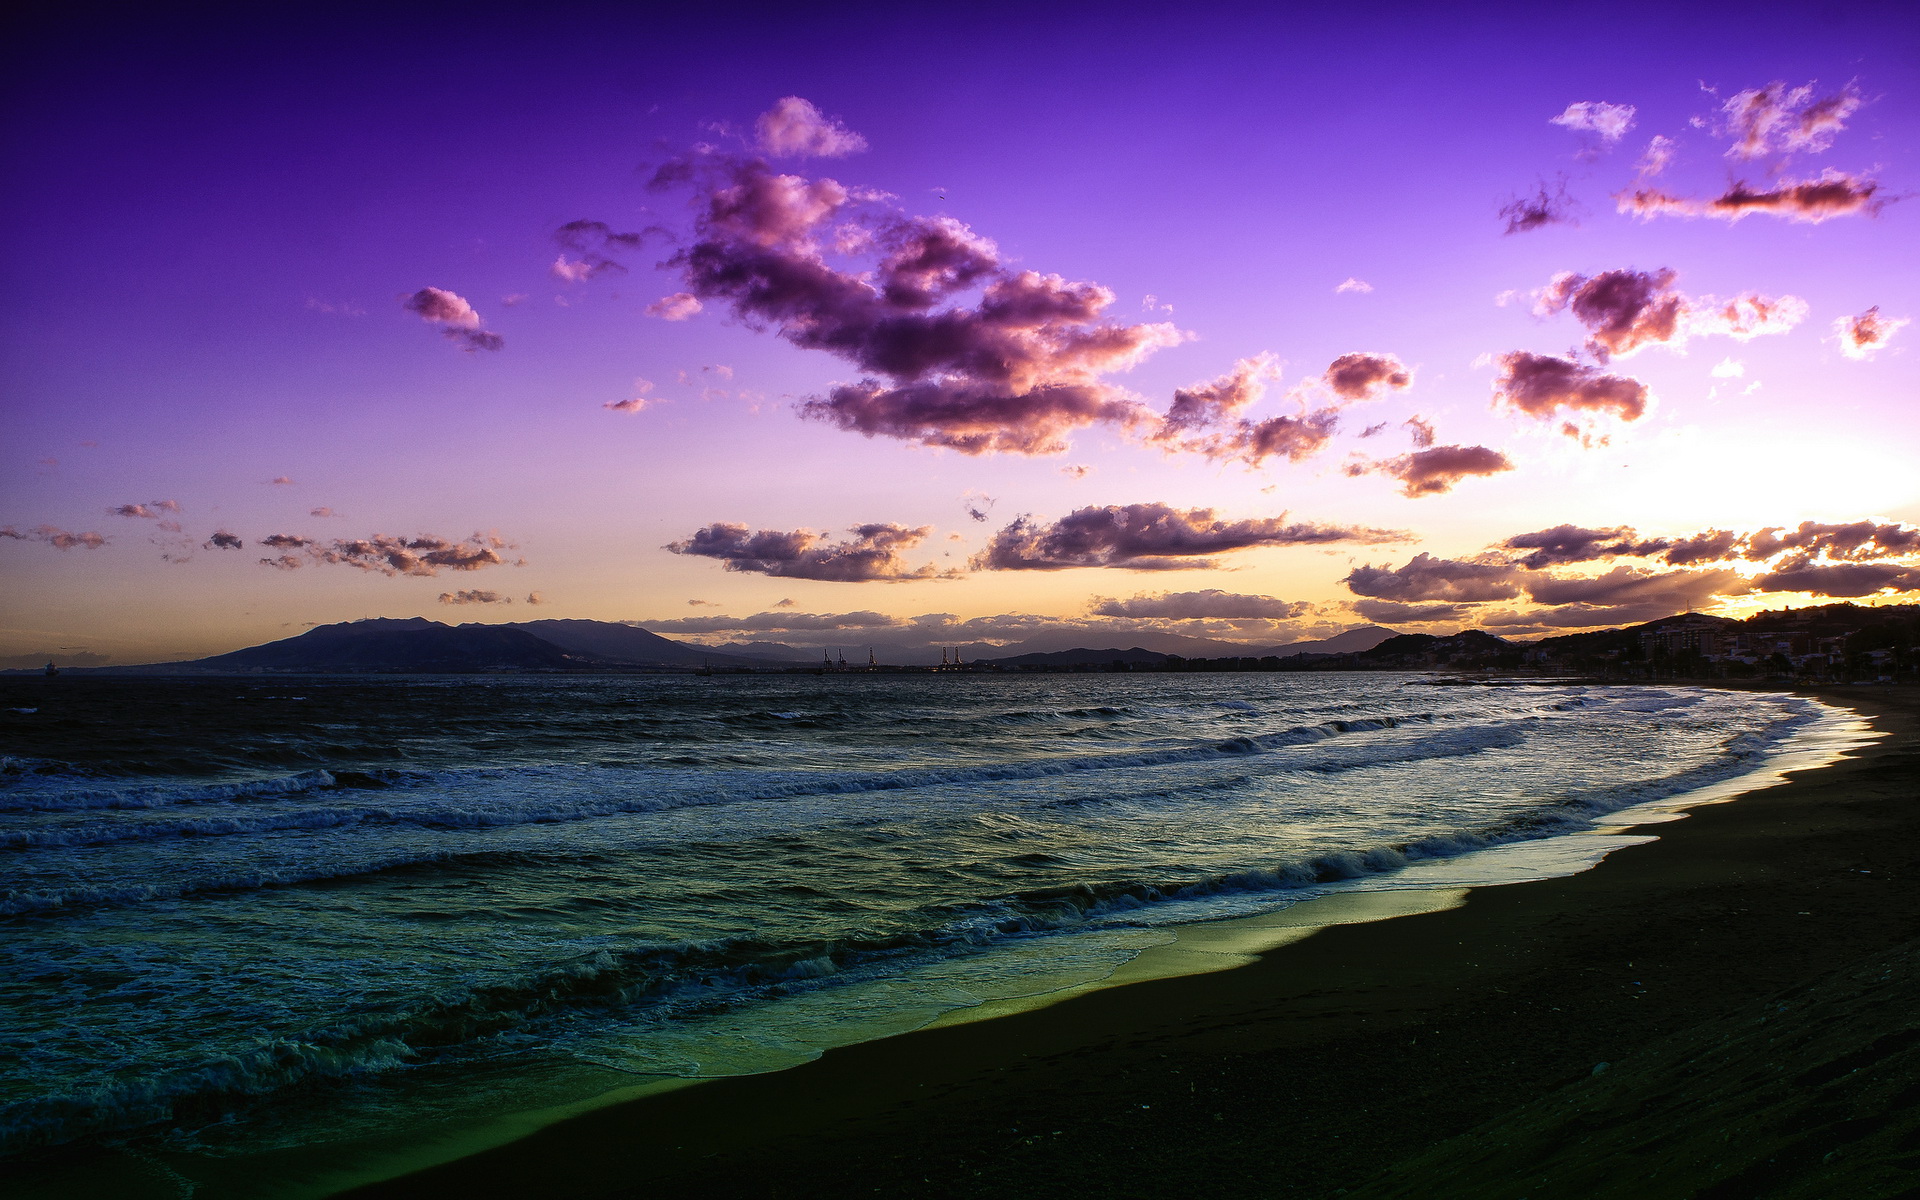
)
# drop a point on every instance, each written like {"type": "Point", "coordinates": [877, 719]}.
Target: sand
{"type": "Point", "coordinates": [1731, 1010]}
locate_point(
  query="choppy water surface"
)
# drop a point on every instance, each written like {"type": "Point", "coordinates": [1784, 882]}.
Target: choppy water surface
{"type": "Point", "coordinates": [245, 913]}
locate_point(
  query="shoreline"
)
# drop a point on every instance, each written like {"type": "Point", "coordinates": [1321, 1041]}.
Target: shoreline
{"type": "Point", "coordinates": [951, 1109]}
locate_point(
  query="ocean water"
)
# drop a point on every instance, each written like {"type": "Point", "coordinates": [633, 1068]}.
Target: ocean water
{"type": "Point", "coordinates": [254, 916]}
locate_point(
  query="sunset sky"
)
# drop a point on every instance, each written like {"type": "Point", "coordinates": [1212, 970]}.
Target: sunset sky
{"type": "Point", "coordinates": [941, 325]}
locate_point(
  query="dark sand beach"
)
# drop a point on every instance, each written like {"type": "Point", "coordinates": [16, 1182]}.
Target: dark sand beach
{"type": "Point", "coordinates": [1751, 981]}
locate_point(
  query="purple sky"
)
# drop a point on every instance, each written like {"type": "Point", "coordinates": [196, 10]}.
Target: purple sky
{"type": "Point", "coordinates": [222, 232]}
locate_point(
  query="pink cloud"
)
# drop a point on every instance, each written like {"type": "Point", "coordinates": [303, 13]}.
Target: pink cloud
{"type": "Point", "coordinates": [794, 128]}
{"type": "Point", "coordinates": [474, 596]}
{"type": "Point", "coordinates": [1860, 337]}
{"type": "Point", "coordinates": [677, 307]}
{"type": "Point", "coordinates": [455, 317]}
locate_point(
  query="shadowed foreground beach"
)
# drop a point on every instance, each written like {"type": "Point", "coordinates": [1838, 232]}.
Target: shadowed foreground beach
{"type": "Point", "coordinates": [1749, 979]}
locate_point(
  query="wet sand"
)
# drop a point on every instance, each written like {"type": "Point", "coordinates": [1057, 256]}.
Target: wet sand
{"type": "Point", "coordinates": [1751, 981]}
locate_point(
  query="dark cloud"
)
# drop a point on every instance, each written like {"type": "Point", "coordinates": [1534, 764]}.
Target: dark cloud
{"type": "Point", "coordinates": [475, 596]}
{"type": "Point", "coordinates": [1291, 438]}
{"type": "Point", "coordinates": [535, 598]}
{"type": "Point", "coordinates": [1389, 612]}
{"type": "Point", "coordinates": [1629, 587]}
{"type": "Point", "coordinates": [1211, 603]}
{"type": "Point", "coordinates": [1366, 376]}
{"type": "Point", "coordinates": [1549, 205]}
{"type": "Point", "coordinates": [1855, 541]}
{"type": "Point", "coordinates": [1151, 537]}
{"type": "Point", "coordinates": [1625, 310]}
{"type": "Point", "coordinates": [1013, 372]}
{"type": "Point", "coordinates": [598, 237]}
{"type": "Point", "coordinates": [59, 539]}
{"type": "Point", "coordinates": [386, 554]}
{"type": "Point", "coordinates": [223, 540]}
{"type": "Point", "coordinates": [1780, 120]}
{"type": "Point", "coordinates": [1436, 470]}
{"type": "Point", "coordinates": [1802, 574]}
{"type": "Point", "coordinates": [794, 128]}
{"type": "Point", "coordinates": [978, 505]}
{"type": "Point", "coordinates": [596, 246]}
{"type": "Point", "coordinates": [1573, 544]}
{"type": "Point", "coordinates": [1426, 578]}
{"type": "Point", "coordinates": [1542, 385]}
{"type": "Point", "coordinates": [1834, 194]}
{"type": "Point", "coordinates": [1861, 336]}
{"type": "Point", "coordinates": [1206, 406]}
{"type": "Point", "coordinates": [455, 317]}
{"type": "Point", "coordinates": [1712, 545]}
{"type": "Point", "coordinates": [873, 554]}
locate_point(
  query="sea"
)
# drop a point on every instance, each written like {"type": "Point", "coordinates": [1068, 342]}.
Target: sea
{"type": "Point", "coordinates": [274, 935]}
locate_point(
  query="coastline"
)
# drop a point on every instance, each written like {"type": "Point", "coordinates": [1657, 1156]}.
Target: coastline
{"type": "Point", "coordinates": [1324, 1059]}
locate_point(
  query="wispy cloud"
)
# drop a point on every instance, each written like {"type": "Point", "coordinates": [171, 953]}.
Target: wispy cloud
{"type": "Point", "coordinates": [1550, 204]}
{"type": "Point", "coordinates": [474, 596]}
{"type": "Point", "coordinates": [1608, 123]}
{"type": "Point", "coordinates": [1192, 606]}
{"type": "Point", "coordinates": [59, 539]}
{"type": "Point", "coordinates": [1782, 120]}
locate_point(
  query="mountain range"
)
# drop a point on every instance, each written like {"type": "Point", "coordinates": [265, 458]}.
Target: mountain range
{"type": "Point", "coordinates": [417, 644]}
